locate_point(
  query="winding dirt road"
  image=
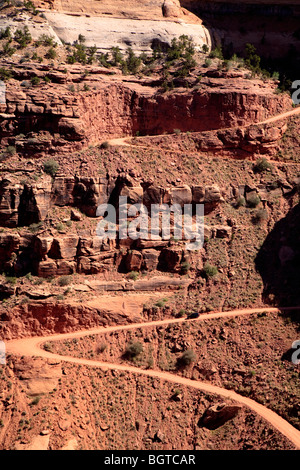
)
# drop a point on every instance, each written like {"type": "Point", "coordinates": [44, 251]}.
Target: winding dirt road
{"type": "Point", "coordinates": [33, 347]}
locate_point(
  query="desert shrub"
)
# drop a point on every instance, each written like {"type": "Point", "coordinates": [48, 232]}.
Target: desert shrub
{"type": "Point", "coordinates": [35, 227]}
{"type": "Point", "coordinates": [217, 53]}
{"type": "Point", "coordinates": [210, 271]}
{"type": "Point", "coordinates": [64, 280]}
{"type": "Point", "coordinates": [104, 60]}
{"type": "Point", "coordinates": [240, 202]}
{"type": "Point", "coordinates": [35, 80]}
{"type": "Point", "coordinates": [29, 5]}
{"type": "Point", "coordinates": [71, 59]}
{"type": "Point", "coordinates": [117, 56]}
{"type": "Point", "coordinates": [262, 164]}
{"type": "Point", "coordinates": [5, 33]}
{"type": "Point", "coordinates": [183, 47]}
{"type": "Point", "coordinates": [133, 275]}
{"type": "Point", "coordinates": [10, 150]}
{"type": "Point", "coordinates": [227, 65]}
{"type": "Point", "coordinates": [11, 279]}
{"type": "Point", "coordinates": [23, 38]}
{"type": "Point", "coordinates": [7, 49]}
{"type": "Point", "coordinates": [252, 60]}
{"type": "Point", "coordinates": [253, 200]}
{"type": "Point", "coordinates": [275, 76]}
{"type": "Point", "coordinates": [181, 313]}
{"type": "Point", "coordinates": [132, 62]}
{"type": "Point", "coordinates": [51, 54]}
{"type": "Point", "coordinates": [205, 48]}
{"type": "Point", "coordinates": [185, 267]}
{"type": "Point", "coordinates": [60, 227]}
{"type": "Point", "coordinates": [260, 216]}
{"type": "Point", "coordinates": [101, 348]}
{"type": "Point", "coordinates": [5, 74]}
{"type": "Point", "coordinates": [79, 55]}
{"type": "Point", "coordinates": [81, 39]}
{"type": "Point", "coordinates": [186, 358]}
{"type": "Point", "coordinates": [29, 276]}
{"type": "Point", "coordinates": [45, 40]}
{"type": "Point", "coordinates": [47, 347]}
{"type": "Point", "coordinates": [133, 349]}
{"type": "Point", "coordinates": [35, 401]}
{"type": "Point", "coordinates": [51, 167]}
{"type": "Point", "coordinates": [161, 303]}
{"type": "Point", "coordinates": [104, 145]}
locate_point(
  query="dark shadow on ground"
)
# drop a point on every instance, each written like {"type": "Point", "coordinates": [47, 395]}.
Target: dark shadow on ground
{"type": "Point", "coordinates": [278, 262]}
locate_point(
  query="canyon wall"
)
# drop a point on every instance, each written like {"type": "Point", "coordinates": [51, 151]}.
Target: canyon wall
{"type": "Point", "coordinates": [51, 118]}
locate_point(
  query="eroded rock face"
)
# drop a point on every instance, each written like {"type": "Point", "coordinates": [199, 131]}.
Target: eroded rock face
{"type": "Point", "coordinates": [9, 202]}
{"type": "Point", "coordinates": [57, 119]}
{"type": "Point", "coordinates": [48, 254]}
{"type": "Point", "coordinates": [37, 376]}
{"type": "Point", "coordinates": [171, 8]}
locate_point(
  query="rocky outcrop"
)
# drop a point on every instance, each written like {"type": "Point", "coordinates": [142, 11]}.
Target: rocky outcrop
{"type": "Point", "coordinates": [237, 142]}
{"type": "Point", "coordinates": [45, 251]}
{"type": "Point", "coordinates": [47, 316]}
{"type": "Point", "coordinates": [217, 415]}
{"type": "Point", "coordinates": [38, 377]}
{"type": "Point", "coordinates": [24, 204]}
{"type": "Point", "coordinates": [47, 119]}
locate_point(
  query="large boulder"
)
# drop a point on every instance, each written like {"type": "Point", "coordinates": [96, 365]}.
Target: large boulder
{"type": "Point", "coordinates": [152, 195]}
{"type": "Point", "coordinates": [134, 194]}
{"type": "Point", "coordinates": [89, 246]}
{"type": "Point", "coordinates": [9, 203]}
{"type": "Point", "coordinates": [47, 268]}
{"type": "Point", "coordinates": [89, 193]}
{"type": "Point", "coordinates": [213, 194]}
{"type": "Point", "coordinates": [133, 260]}
{"type": "Point", "coordinates": [64, 247]}
{"type": "Point", "coordinates": [171, 8]}
{"type": "Point", "coordinates": [150, 259]}
{"type": "Point", "coordinates": [181, 195]}
{"type": "Point", "coordinates": [9, 243]}
{"type": "Point", "coordinates": [62, 191]}
{"type": "Point", "coordinates": [42, 245]}
{"type": "Point", "coordinates": [198, 193]}
{"type": "Point", "coordinates": [170, 259]}
{"type": "Point", "coordinates": [218, 414]}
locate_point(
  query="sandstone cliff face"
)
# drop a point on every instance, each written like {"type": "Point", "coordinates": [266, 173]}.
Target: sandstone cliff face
{"type": "Point", "coordinates": [50, 118]}
{"type": "Point", "coordinates": [49, 253]}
